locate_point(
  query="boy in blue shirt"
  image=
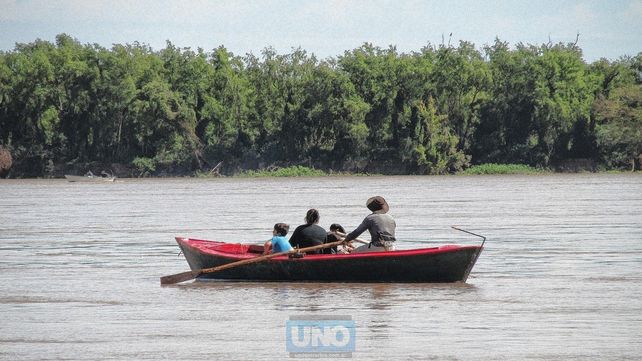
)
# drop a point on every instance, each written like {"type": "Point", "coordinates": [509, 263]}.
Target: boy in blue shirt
{"type": "Point", "coordinates": [278, 243]}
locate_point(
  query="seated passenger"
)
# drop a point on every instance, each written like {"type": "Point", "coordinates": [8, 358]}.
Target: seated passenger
{"type": "Point", "coordinates": [309, 234]}
{"type": "Point", "coordinates": [278, 243]}
{"type": "Point", "coordinates": [336, 234]}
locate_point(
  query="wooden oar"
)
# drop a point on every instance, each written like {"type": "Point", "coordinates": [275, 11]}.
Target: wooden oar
{"type": "Point", "coordinates": [186, 276]}
{"type": "Point", "coordinates": [356, 239]}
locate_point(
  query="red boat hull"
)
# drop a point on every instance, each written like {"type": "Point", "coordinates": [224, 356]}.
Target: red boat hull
{"type": "Point", "coordinates": [438, 264]}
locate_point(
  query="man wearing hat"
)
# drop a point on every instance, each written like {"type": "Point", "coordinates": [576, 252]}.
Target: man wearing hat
{"type": "Point", "coordinates": [381, 226]}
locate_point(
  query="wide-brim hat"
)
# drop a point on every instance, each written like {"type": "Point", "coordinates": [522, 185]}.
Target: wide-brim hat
{"type": "Point", "coordinates": [377, 204]}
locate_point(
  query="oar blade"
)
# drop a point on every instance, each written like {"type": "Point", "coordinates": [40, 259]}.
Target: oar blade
{"type": "Point", "coordinates": [178, 278]}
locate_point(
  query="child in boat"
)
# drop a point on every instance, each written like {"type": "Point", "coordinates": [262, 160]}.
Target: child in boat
{"type": "Point", "coordinates": [333, 236]}
{"type": "Point", "coordinates": [278, 243]}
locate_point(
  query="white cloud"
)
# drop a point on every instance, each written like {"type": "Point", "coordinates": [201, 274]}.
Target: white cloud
{"type": "Point", "coordinates": [583, 14]}
{"type": "Point", "coordinates": [633, 13]}
{"type": "Point", "coordinates": [148, 11]}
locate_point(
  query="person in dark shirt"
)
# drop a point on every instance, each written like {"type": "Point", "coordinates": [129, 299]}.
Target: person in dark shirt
{"type": "Point", "coordinates": [336, 234]}
{"type": "Point", "coordinates": [333, 237]}
{"type": "Point", "coordinates": [309, 234]}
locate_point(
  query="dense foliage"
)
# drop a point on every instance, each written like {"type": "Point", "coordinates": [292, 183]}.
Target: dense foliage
{"type": "Point", "coordinates": [435, 111]}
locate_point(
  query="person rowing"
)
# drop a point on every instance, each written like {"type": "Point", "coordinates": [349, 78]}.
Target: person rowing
{"type": "Point", "coordinates": [381, 226]}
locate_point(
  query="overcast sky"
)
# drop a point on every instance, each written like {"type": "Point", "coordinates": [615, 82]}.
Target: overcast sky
{"type": "Point", "coordinates": [608, 28]}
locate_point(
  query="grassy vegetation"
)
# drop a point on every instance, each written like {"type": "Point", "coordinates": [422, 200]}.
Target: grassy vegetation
{"type": "Point", "coordinates": [301, 171]}
{"type": "Point", "coordinates": [492, 168]}
{"type": "Point", "coordinates": [294, 171]}
{"type": "Point", "coordinates": [617, 171]}
{"type": "Point", "coordinates": [205, 174]}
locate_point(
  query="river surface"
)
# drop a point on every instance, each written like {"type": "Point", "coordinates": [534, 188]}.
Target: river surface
{"type": "Point", "coordinates": [560, 277]}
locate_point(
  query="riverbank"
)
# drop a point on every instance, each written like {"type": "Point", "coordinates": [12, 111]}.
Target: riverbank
{"type": "Point", "coordinates": [484, 169]}
{"type": "Point", "coordinates": [302, 171]}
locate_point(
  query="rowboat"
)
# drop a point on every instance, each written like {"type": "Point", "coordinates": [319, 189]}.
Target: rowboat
{"type": "Point", "coordinates": [90, 177]}
{"type": "Point", "coordinates": [448, 263]}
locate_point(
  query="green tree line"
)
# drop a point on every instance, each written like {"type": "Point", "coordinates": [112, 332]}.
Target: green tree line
{"type": "Point", "coordinates": [437, 110]}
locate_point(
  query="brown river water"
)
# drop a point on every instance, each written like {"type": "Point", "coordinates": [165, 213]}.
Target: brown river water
{"type": "Point", "coordinates": [560, 277]}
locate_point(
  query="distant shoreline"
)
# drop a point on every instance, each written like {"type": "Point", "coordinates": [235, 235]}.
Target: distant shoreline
{"type": "Point", "coordinates": [300, 172]}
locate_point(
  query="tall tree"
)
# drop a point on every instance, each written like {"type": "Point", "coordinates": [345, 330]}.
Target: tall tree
{"type": "Point", "coordinates": [618, 112]}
